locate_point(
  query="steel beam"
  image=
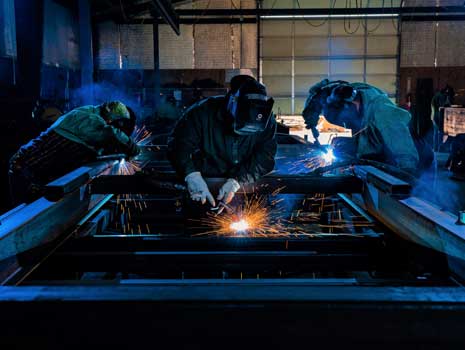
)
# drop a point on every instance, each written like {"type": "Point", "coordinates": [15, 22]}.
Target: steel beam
{"type": "Point", "coordinates": [166, 11]}
{"type": "Point", "coordinates": [410, 217]}
{"type": "Point", "coordinates": [208, 261]}
{"type": "Point", "coordinates": [42, 221]}
{"type": "Point", "coordinates": [297, 184]}
{"type": "Point", "coordinates": [175, 314]}
{"type": "Point", "coordinates": [323, 11]}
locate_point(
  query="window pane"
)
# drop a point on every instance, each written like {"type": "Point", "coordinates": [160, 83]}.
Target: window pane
{"type": "Point", "coordinates": [276, 47]}
{"type": "Point", "coordinates": [385, 83]}
{"type": "Point", "coordinates": [305, 28]}
{"type": "Point", "coordinates": [276, 28]}
{"type": "Point", "coordinates": [381, 66]}
{"type": "Point", "coordinates": [348, 78]}
{"type": "Point", "coordinates": [346, 67]}
{"type": "Point", "coordinates": [278, 67]}
{"type": "Point", "coordinates": [311, 67]}
{"type": "Point", "coordinates": [382, 26]}
{"type": "Point", "coordinates": [382, 45]}
{"type": "Point", "coordinates": [282, 106]}
{"type": "Point", "coordinates": [299, 105]}
{"type": "Point", "coordinates": [347, 46]}
{"type": "Point", "coordinates": [315, 46]}
{"type": "Point", "coordinates": [350, 27]}
{"type": "Point", "coordinates": [279, 86]}
{"type": "Point", "coordinates": [303, 83]}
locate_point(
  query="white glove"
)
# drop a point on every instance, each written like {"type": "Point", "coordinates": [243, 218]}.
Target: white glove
{"type": "Point", "coordinates": [198, 188]}
{"type": "Point", "coordinates": [228, 190]}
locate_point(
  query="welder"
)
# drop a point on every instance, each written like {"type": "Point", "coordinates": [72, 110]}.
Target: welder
{"type": "Point", "coordinates": [380, 128]}
{"type": "Point", "coordinates": [76, 138]}
{"type": "Point", "coordinates": [231, 136]}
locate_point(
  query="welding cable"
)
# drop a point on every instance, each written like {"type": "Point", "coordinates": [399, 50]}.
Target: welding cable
{"type": "Point", "coordinates": [348, 20]}
{"type": "Point", "coordinates": [370, 31]}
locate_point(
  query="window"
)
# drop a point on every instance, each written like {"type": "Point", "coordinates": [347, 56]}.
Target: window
{"type": "Point", "coordinates": [296, 54]}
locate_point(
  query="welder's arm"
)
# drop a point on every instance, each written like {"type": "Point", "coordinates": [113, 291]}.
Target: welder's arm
{"type": "Point", "coordinates": [262, 160]}
{"type": "Point", "coordinates": [114, 140]}
{"type": "Point", "coordinates": [96, 133]}
{"type": "Point", "coordinates": [183, 143]}
{"type": "Point", "coordinates": [392, 124]}
{"type": "Point", "coordinates": [311, 117]}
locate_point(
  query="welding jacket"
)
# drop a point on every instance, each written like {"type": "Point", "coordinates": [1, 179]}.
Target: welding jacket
{"type": "Point", "coordinates": [385, 133]}
{"type": "Point", "coordinates": [84, 125]}
{"type": "Point", "coordinates": [203, 140]}
{"type": "Point", "coordinates": [73, 140]}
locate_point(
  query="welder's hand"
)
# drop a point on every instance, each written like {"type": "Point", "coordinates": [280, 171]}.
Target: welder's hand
{"type": "Point", "coordinates": [133, 149]}
{"type": "Point", "coordinates": [228, 190]}
{"type": "Point", "coordinates": [198, 188]}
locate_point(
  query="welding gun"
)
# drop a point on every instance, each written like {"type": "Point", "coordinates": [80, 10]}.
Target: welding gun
{"type": "Point", "coordinates": [221, 207]}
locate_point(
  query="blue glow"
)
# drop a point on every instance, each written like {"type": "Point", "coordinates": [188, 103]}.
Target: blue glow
{"type": "Point", "coordinates": [329, 156]}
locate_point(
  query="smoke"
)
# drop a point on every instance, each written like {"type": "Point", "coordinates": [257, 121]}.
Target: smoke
{"type": "Point", "coordinates": [436, 187]}
{"type": "Point", "coordinates": [98, 93]}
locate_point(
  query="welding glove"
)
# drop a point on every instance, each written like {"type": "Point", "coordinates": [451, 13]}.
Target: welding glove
{"type": "Point", "coordinates": [228, 190]}
{"type": "Point", "coordinates": [198, 188]}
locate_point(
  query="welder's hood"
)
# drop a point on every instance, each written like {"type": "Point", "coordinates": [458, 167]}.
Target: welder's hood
{"type": "Point", "coordinates": [115, 110]}
{"type": "Point", "coordinates": [119, 115]}
{"type": "Point", "coordinates": [250, 108]}
{"type": "Point", "coordinates": [327, 95]}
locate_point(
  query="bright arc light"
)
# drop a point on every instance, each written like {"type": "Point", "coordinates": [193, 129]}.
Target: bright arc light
{"type": "Point", "coordinates": [239, 226]}
{"type": "Point", "coordinates": [329, 156]}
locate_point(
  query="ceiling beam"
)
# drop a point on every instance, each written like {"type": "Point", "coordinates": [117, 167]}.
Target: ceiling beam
{"type": "Point", "coordinates": [322, 11]}
{"type": "Point", "coordinates": [165, 10]}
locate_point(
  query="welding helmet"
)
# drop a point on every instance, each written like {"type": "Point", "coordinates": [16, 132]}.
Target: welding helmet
{"type": "Point", "coordinates": [249, 107]}
{"type": "Point", "coordinates": [341, 94]}
{"type": "Point", "coordinates": [119, 116]}
{"type": "Point", "coordinates": [326, 94]}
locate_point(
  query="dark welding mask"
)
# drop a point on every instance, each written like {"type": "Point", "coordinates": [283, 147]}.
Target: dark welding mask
{"type": "Point", "coordinates": [250, 108]}
{"type": "Point", "coordinates": [121, 118]}
{"type": "Point", "coordinates": [340, 95]}
{"type": "Point", "coordinates": [323, 94]}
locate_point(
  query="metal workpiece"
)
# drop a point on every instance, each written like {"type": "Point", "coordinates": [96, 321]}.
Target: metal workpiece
{"type": "Point", "coordinates": [289, 184]}
{"type": "Point", "coordinates": [330, 249]}
{"type": "Point", "coordinates": [43, 220]}
{"type": "Point", "coordinates": [382, 180]}
{"type": "Point", "coordinates": [386, 198]}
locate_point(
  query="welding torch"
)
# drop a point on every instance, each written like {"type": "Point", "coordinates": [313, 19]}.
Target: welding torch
{"type": "Point", "coordinates": [221, 207]}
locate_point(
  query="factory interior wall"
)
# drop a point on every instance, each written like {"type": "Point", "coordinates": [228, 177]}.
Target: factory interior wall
{"type": "Point", "coordinates": [203, 56]}
{"type": "Point", "coordinates": [433, 50]}
{"type": "Point", "coordinates": [59, 76]}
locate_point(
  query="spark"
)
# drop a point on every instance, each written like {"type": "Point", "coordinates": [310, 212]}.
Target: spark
{"type": "Point", "coordinates": [141, 136]}
{"type": "Point", "coordinates": [253, 217]}
{"type": "Point", "coordinates": [328, 156]}
{"type": "Point", "coordinates": [127, 167]}
{"type": "Point", "coordinates": [240, 226]}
